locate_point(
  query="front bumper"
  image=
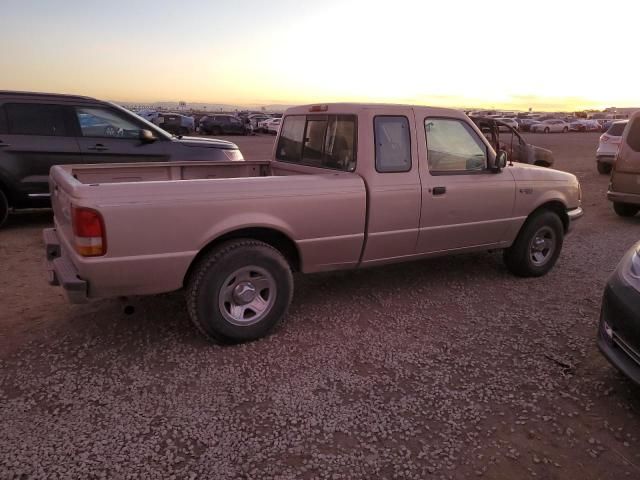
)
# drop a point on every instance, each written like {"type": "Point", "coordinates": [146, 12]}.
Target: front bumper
{"type": "Point", "coordinates": [61, 271]}
{"type": "Point", "coordinates": [620, 342]}
{"type": "Point", "coordinates": [574, 215]}
{"type": "Point", "coordinates": [631, 198]}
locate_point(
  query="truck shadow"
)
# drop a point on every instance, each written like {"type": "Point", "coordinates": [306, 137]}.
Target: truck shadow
{"type": "Point", "coordinates": [40, 218]}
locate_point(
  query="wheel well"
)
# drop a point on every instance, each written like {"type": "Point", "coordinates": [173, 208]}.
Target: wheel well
{"type": "Point", "coordinates": [556, 207]}
{"type": "Point", "coordinates": [542, 163]}
{"type": "Point", "coordinates": [275, 238]}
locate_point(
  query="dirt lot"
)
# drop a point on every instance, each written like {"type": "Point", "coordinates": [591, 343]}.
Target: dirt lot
{"type": "Point", "coordinates": [448, 368]}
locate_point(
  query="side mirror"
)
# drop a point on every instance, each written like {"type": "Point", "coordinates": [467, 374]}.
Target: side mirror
{"type": "Point", "coordinates": [501, 160]}
{"type": "Point", "coordinates": [147, 136]}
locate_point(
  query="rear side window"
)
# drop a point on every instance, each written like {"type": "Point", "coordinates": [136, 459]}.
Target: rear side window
{"type": "Point", "coordinates": [325, 141]}
{"type": "Point", "coordinates": [3, 121]}
{"type": "Point", "coordinates": [393, 144]}
{"type": "Point", "coordinates": [616, 129]}
{"type": "Point", "coordinates": [633, 137]}
{"type": "Point", "coordinates": [34, 119]}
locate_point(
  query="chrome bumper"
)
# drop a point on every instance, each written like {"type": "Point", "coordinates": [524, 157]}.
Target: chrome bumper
{"type": "Point", "coordinates": [574, 214]}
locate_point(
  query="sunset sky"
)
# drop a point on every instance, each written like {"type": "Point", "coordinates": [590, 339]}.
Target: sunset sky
{"type": "Point", "coordinates": [541, 54]}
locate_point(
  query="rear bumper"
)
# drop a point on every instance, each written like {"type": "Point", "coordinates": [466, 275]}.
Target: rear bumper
{"type": "Point", "coordinates": [61, 271]}
{"type": "Point", "coordinates": [619, 197]}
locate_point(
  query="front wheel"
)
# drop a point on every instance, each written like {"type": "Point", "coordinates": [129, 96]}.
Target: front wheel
{"type": "Point", "coordinates": [240, 291]}
{"type": "Point", "coordinates": [625, 209]}
{"type": "Point", "coordinates": [4, 208]}
{"type": "Point", "coordinates": [537, 246]}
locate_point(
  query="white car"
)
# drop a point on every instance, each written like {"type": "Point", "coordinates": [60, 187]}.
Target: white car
{"type": "Point", "coordinates": [608, 146]}
{"type": "Point", "coordinates": [549, 126]}
{"type": "Point", "coordinates": [509, 121]}
{"type": "Point", "coordinates": [272, 125]}
{"type": "Point", "coordinates": [584, 125]}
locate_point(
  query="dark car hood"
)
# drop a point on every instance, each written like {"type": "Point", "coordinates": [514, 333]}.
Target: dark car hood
{"type": "Point", "coordinates": [206, 143]}
{"type": "Point", "coordinates": [541, 155]}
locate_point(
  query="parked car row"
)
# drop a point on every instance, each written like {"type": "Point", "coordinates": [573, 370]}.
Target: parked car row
{"type": "Point", "coordinates": [619, 329]}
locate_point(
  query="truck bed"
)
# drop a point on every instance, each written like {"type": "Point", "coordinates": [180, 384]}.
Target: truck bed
{"type": "Point", "coordinates": [158, 217]}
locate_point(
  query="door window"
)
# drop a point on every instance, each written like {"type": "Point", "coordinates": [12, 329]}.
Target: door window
{"type": "Point", "coordinates": [393, 144]}
{"type": "Point", "coordinates": [453, 146]}
{"type": "Point", "coordinates": [36, 119]}
{"type": "Point", "coordinates": [3, 121]}
{"type": "Point", "coordinates": [106, 123]}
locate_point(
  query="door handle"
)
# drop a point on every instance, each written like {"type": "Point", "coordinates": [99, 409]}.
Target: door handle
{"type": "Point", "coordinates": [439, 190]}
{"type": "Point", "coordinates": [2, 144]}
{"type": "Point", "coordinates": [98, 147]}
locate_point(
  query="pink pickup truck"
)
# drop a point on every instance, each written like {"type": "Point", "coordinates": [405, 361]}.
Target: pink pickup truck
{"type": "Point", "coordinates": [349, 186]}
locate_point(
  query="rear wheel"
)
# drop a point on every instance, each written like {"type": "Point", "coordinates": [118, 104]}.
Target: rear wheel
{"type": "Point", "coordinates": [546, 130]}
{"type": "Point", "coordinates": [240, 291]}
{"type": "Point", "coordinates": [215, 131]}
{"type": "Point", "coordinates": [4, 208]}
{"type": "Point", "coordinates": [537, 246]}
{"type": "Point", "coordinates": [565, 129]}
{"type": "Point", "coordinates": [625, 209]}
{"type": "Point", "coordinates": [604, 168]}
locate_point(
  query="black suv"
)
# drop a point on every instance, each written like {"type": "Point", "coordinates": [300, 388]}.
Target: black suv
{"type": "Point", "coordinates": [223, 125]}
{"type": "Point", "coordinates": [40, 130]}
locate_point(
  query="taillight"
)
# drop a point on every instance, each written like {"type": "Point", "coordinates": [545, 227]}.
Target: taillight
{"type": "Point", "coordinates": [604, 138]}
{"type": "Point", "coordinates": [88, 229]}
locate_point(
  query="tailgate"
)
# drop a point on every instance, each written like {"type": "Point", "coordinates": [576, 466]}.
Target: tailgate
{"type": "Point", "coordinates": [61, 204]}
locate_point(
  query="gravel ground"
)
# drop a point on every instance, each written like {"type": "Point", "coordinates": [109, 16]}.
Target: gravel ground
{"type": "Point", "coordinates": [448, 368]}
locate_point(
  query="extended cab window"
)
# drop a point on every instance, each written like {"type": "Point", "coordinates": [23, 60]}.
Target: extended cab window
{"type": "Point", "coordinates": [326, 141]}
{"type": "Point", "coordinates": [35, 119]}
{"type": "Point", "coordinates": [393, 144]}
{"type": "Point", "coordinates": [453, 146]}
{"type": "Point", "coordinates": [105, 123]}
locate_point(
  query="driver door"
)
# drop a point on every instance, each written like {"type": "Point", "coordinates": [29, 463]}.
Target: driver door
{"type": "Point", "coordinates": [108, 135]}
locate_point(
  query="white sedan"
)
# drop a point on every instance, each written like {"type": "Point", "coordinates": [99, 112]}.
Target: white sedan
{"type": "Point", "coordinates": [509, 121]}
{"type": "Point", "coordinates": [549, 126]}
{"type": "Point", "coordinates": [272, 125]}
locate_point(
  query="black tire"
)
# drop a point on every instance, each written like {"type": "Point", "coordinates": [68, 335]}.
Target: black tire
{"type": "Point", "coordinates": [205, 290]}
{"type": "Point", "coordinates": [604, 168]}
{"type": "Point", "coordinates": [183, 131]}
{"type": "Point", "coordinates": [565, 129]}
{"type": "Point", "coordinates": [215, 131]}
{"type": "Point", "coordinates": [519, 258]}
{"type": "Point", "coordinates": [546, 130]}
{"type": "Point", "coordinates": [625, 209]}
{"type": "Point", "coordinates": [4, 208]}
